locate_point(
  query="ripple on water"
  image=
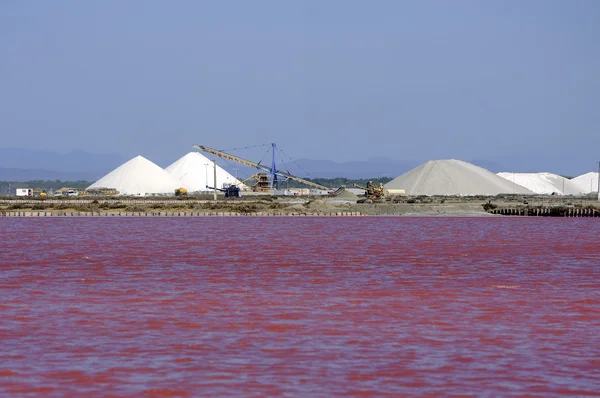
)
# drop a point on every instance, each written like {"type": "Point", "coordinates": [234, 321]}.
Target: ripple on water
{"type": "Point", "coordinates": [299, 306]}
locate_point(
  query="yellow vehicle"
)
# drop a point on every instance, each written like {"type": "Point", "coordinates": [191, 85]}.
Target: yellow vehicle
{"type": "Point", "coordinates": [371, 191]}
{"type": "Point", "coordinates": [39, 192]}
{"type": "Point", "coordinates": [181, 192]}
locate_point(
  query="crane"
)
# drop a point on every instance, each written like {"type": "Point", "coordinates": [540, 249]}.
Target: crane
{"type": "Point", "coordinates": [272, 170]}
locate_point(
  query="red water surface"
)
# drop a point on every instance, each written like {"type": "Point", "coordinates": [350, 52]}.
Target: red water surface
{"type": "Point", "coordinates": [304, 306]}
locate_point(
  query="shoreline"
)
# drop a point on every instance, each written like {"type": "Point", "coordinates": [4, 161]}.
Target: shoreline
{"type": "Point", "coordinates": [302, 207]}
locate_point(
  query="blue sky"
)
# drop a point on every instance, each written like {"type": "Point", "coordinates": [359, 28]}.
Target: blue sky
{"type": "Point", "coordinates": [514, 81]}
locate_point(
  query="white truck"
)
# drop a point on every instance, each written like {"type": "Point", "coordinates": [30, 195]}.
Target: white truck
{"type": "Point", "coordinates": [24, 192]}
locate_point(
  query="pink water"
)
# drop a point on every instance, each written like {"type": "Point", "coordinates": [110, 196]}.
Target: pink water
{"type": "Point", "coordinates": [303, 306]}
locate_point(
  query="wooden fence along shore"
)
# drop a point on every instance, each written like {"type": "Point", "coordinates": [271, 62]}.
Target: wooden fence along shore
{"type": "Point", "coordinates": [547, 212]}
{"type": "Point", "coordinates": [165, 214]}
{"type": "Point", "coordinates": [531, 212]}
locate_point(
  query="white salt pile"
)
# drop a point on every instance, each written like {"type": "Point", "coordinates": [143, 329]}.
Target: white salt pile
{"type": "Point", "coordinates": [453, 177]}
{"type": "Point", "coordinates": [543, 183]}
{"type": "Point", "coordinates": [347, 195]}
{"type": "Point", "coordinates": [587, 182]}
{"type": "Point", "coordinates": [195, 171]}
{"type": "Point", "coordinates": [138, 176]}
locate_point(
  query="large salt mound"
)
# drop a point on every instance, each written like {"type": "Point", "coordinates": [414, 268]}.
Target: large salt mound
{"type": "Point", "coordinates": [138, 176]}
{"type": "Point", "coordinates": [587, 182]}
{"type": "Point", "coordinates": [453, 177]}
{"type": "Point", "coordinates": [543, 183]}
{"type": "Point", "coordinates": [193, 169]}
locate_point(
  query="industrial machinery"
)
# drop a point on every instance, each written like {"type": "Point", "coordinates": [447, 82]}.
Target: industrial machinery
{"type": "Point", "coordinates": [231, 191]}
{"type": "Point", "coordinates": [69, 192]}
{"type": "Point", "coordinates": [372, 192]}
{"type": "Point", "coordinates": [261, 177]}
{"type": "Point", "coordinates": [261, 182]}
{"type": "Point", "coordinates": [181, 192]}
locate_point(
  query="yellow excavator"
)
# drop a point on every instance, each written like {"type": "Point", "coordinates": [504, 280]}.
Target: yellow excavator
{"type": "Point", "coordinates": [372, 193]}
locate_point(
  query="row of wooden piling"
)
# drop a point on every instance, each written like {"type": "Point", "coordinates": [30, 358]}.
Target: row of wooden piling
{"type": "Point", "coordinates": [166, 214]}
{"type": "Point", "coordinates": [547, 212]}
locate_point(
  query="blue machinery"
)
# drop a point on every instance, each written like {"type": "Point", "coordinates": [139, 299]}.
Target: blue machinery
{"type": "Point", "coordinates": [273, 172]}
{"type": "Point", "coordinates": [273, 168]}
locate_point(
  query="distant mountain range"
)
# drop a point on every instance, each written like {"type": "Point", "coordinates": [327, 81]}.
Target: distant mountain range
{"type": "Point", "coordinates": [18, 164]}
{"type": "Point", "coordinates": [10, 174]}
{"type": "Point", "coordinates": [27, 165]}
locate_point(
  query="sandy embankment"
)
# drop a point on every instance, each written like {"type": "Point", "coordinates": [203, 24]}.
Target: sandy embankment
{"type": "Point", "coordinates": [399, 206]}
